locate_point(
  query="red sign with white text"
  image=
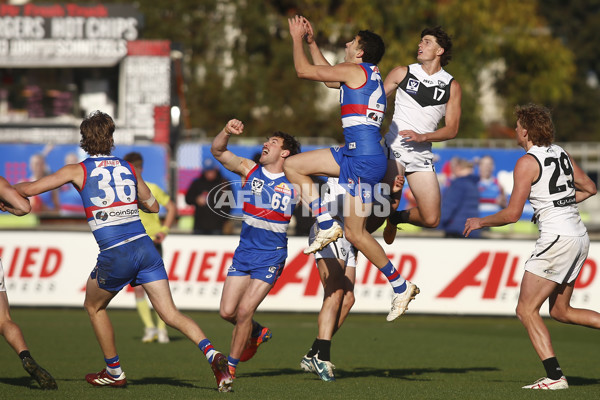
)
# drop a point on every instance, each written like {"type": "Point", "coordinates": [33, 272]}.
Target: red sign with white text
{"type": "Point", "coordinates": [456, 276]}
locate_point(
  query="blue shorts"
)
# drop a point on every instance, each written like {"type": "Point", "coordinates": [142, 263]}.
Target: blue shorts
{"type": "Point", "coordinates": [267, 271]}
{"type": "Point", "coordinates": [360, 174]}
{"type": "Point", "coordinates": [136, 262]}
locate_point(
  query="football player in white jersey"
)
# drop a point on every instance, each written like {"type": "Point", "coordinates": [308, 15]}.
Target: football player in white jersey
{"type": "Point", "coordinates": [425, 93]}
{"type": "Point", "coordinates": [554, 184]}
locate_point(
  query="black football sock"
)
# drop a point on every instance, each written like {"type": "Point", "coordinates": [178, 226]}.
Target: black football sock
{"type": "Point", "coordinates": [399, 217]}
{"type": "Point", "coordinates": [314, 349]}
{"type": "Point", "coordinates": [553, 370]}
{"type": "Point", "coordinates": [324, 350]}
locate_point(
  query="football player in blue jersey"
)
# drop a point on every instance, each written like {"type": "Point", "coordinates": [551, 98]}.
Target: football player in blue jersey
{"type": "Point", "coordinates": [269, 200]}
{"type": "Point", "coordinates": [361, 163]}
{"type": "Point", "coordinates": [111, 191]}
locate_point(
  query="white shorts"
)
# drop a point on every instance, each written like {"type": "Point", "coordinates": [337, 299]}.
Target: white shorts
{"type": "Point", "coordinates": [2, 285]}
{"type": "Point", "coordinates": [341, 249]}
{"type": "Point", "coordinates": [558, 258]}
{"type": "Point", "coordinates": [411, 158]}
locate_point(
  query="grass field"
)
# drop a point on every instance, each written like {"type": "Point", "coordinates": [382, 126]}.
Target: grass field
{"type": "Point", "coordinates": [416, 357]}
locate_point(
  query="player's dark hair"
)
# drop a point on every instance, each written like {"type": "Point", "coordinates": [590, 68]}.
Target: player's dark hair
{"type": "Point", "coordinates": [135, 159]}
{"type": "Point", "coordinates": [97, 134]}
{"type": "Point", "coordinates": [289, 142]}
{"type": "Point", "coordinates": [372, 46]}
{"type": "Point", "coordinates": [538, 122]}
{"type": "Point", "coordinates": [443, 40]}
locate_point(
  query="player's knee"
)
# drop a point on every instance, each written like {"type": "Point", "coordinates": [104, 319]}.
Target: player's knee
{"type": "Point", "coordinates": [354, 236]}
{"type": "Point", "coordinates": [336, 294]}
{"type": "Point", "coordinates": [89, 307]}
{"type": "Point", "coordinates": [431, 221]}
{"type": "Point", "coordinates": [560, 314]}
{"type": "Point", "coordinates": [349, 300]}
{"type": "Point", "coordinates": [244, 314]}
{"type": "Point", "coordinates": [520, 311]}
{"type": "Point", "coordinates": [227, 315]}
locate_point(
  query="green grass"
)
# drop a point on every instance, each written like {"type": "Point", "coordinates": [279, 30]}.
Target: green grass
{"type": "Point", "coordinates": [416, 357]}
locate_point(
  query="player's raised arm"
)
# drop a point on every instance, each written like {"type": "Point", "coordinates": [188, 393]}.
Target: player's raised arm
{"type": "Point", "coordinates": [228, 159]}
{"type": "Point", "coordinates": [347, 72]}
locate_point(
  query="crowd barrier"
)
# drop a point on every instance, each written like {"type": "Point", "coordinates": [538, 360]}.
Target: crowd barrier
{"type": "Point", "coordinates": [456, 276]}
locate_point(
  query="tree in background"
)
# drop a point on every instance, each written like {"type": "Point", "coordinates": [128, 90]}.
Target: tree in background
{"type": "Point", "coordinates": [238, 56]}
{"type": "Point", "coordinates": [575, 23]}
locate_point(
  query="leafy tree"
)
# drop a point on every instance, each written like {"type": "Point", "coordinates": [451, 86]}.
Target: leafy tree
{"type": "Point", "coordinates": [238, 56]}
{"type": "Point", "coordinates": [575, 22]}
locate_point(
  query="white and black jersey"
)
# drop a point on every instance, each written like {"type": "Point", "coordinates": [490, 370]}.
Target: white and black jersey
{"type": "Point", "coordinates": [553, 193]}
{"type": "Point", "coordinates": [420, 105]}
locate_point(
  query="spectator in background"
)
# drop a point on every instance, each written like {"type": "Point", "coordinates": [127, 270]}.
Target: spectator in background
{"type": "Point", "coordinates": [491, 195]}
{"type": "Point", "coordinates": [206, 221]}
{"type": "Point", "coordinates": [157, 232]}
{"type": "Point", "coordinates": [68, 195]}
{"type": "Point", "coordinates": [460, 200]}
{"type": "Point", "coordinates": [46, 202]}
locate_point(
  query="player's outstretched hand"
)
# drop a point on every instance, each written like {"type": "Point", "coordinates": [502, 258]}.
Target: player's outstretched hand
{"type": "Point", "coordinates": [309, 37]}
{"type": "Point", "coordinates": [297, 27]}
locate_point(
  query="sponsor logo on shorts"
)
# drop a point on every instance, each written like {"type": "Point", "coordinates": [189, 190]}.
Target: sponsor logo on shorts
{"type": "Point", "coordinates": [550, 271]}
{"type": "Point", "coordinates": [102, 215]}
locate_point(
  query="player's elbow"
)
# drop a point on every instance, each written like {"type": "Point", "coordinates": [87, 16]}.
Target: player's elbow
{"type": "Point", "coordinates": [215, 151]}
{"type": "Point", "coordinates": [512, 216]}
{"type": "Point", "coordinates": [593, 189]}
{"type": "Point", "coordinates": [452, 133]}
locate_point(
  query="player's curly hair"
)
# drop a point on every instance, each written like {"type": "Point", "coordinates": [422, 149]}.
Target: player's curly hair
{"type": "Point", "coordinates": [443, 40]}
{"type": "Point", "coordinates": [538, 122]}
{"type": "Point", "coordinates": [372, 46]}
{"type": "Point", "coordinates": [289, 142]}
{"type": "Point", "coordinates": [97, 134]}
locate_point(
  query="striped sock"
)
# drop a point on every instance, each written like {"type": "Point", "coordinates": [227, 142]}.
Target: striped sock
{"type": "Point", "coordinates": [233, 362]}
{"type": "Point", "coordinates": [113, 366]}
{"type": "Point", "coordinates": [396, 280]}
{"type": "Point", "coordinates": [323, 217]}
{"type": "Point", "coordinates": [208, 349]}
